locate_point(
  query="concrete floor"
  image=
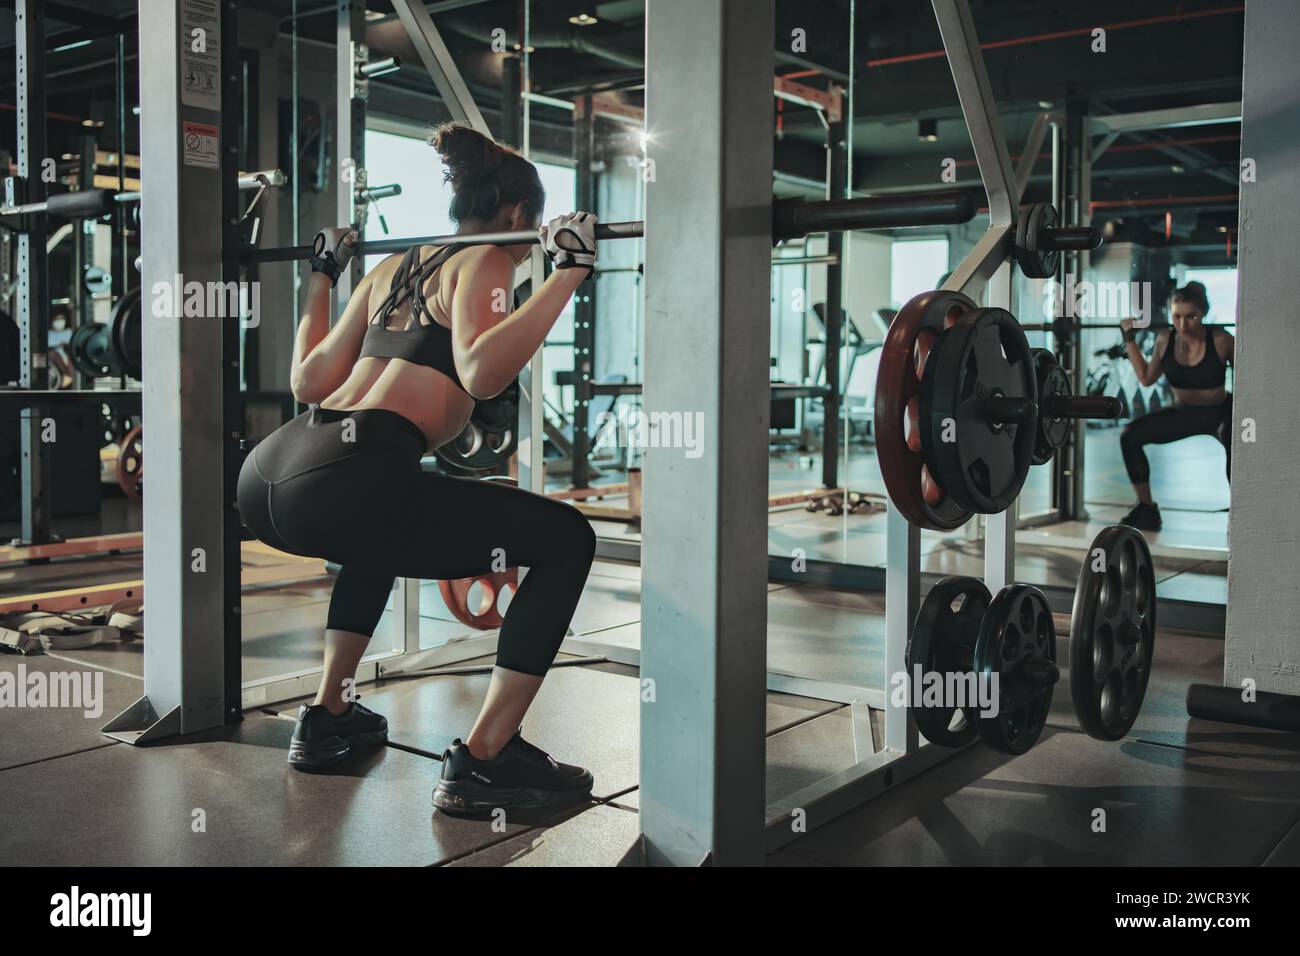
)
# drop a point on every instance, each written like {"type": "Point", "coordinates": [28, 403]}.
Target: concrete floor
{"type": "Point", "coordinates": [1177, 791]}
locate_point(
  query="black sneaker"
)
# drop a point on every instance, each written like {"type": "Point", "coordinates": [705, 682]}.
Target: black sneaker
{"type": "Point", "coordinates": [520, 777]}
{"type": "Point", "coordinates": [322, 741]}
{"type": "Point", "coordinates": [1144, 517]}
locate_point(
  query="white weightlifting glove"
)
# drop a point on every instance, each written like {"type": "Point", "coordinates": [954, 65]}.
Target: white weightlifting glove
{"type": "Point", "coordinates": [331, 251]}
{"type": "Point", "coordinates": [570, 241]}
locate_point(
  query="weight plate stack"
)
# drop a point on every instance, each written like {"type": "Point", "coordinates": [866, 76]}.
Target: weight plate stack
{"type": "Point", "coordinates": [1035, 261]}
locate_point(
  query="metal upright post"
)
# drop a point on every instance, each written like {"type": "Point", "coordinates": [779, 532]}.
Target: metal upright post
{"type": "Point", "coordinates": [982, 121]}
{"type": "Point", "coordinates": [1075, 176]}
{"type": "Point", "coordinates": [350, 132]}
{"type": "Point", "coordinates": [584, 303]}
{"type": "Point", "coordinates": [837, 187]}
{"type": "Point", "coordinates": [186, 389]}
{"type": "Point", "coordinates": [232, 399]}
{"type": "Point", "coordinates": [704, 601]}
{"type": "Point", "coordinates": [33, 272]}
{"type": "Point", "coordinates": [83, 249]}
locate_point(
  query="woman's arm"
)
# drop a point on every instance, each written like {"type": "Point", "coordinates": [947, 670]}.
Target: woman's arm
{"type": "Point", "coordinates": [1227, 346]}
{"type": "Point", "coordinates": [490, 349]}
{"type": "Point", "coordinates": [1148, 373]}
{"type": "Point", "coordinates": [323, 356]}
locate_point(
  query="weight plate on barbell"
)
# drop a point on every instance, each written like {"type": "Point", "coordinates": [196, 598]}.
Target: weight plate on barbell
{"type": "Point", "coordinates": [903, 358]}
{"type": "Point", "coordinates": [90, 351]}
{"type": "Point", "coordinates": [1017, 649]}
{"type": "Point", "coordinates": [490, 437]}
{"type": "Point", "coordinates": [127, 334]}
{"type": "Point", "coordinates": [1052, 383]}
{"type": "Point", "coordinates": [1112, 632]}
{"type": "Point", "coordinates": [942, 642]}
{"type": "Point", "coordinates": [1035, 261]}
{"type": "Point", "coordinates": [981, 464]}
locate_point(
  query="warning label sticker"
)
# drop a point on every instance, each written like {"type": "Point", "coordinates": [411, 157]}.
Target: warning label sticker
{"type": "Point", "coordinates": [200, 54]}
{"type": "Point", "coordinates": [199, 143]}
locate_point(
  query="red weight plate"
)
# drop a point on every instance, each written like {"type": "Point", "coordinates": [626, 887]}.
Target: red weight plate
{"type": "Point", "coordinates": [483, 615]}
{"type": "Point", "coordinates": [898, 386]}
{"type": "Point", "coordinates": [130, 463]}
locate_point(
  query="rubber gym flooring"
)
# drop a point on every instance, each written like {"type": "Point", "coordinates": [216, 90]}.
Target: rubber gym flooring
{"type": "Point", "coordinates": [1176, 791]}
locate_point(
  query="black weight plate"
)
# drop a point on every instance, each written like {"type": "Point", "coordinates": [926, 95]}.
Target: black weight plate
{"type": "Point", "coordinates": [501, 411]}
{"type": "Point", "coordinates": [127, 334]}
{"type": "Point", "coordinates": [479, 449]}
{"type": "Point", "coordinates": [980, 464]}
{"type": "Point", "coordinates": [1034, 261]}
{"type": "Point", "coordinates": [99, 351]}
{"type": "Point", "coordinates": [1112, 632]}
{"type": "Point", "coordinates": [1017, 647]}
{"type": "Point", "coordinates": [943, 642]}
{"type": "Point", "coordinates": [1052, 383]}
{"type": "Point", "coordinates": [87, 350]}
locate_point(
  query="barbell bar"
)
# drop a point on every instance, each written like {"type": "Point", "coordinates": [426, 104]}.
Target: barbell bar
{"type": "Point", "coordinates": [790, 218]}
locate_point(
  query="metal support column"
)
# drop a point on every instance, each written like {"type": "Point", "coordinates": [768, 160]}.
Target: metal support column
{"type": "Point", "coordinates": [82, 309]}
{"type": "Point", "coordinates": [187, 146]}
{"type": "Point", "coordinates": [584, 302]}
{"type": "Point", "coordinates": [437, 60]}
{"type": "Point", "coordinates": [350, 132]}
{"type": "Point", "coordinates": [1076, 173]}
{"type": "Point", "coordinates": [981, 112]}
{"type": "Point", "coordinates": [512, 102]}
{"type": "Point", "coordinates": [232, 399]}
{"type": "Point", "coordinates": [33, 271]}
{"type": "Point", "coordinates": [837, 187]}
{"type": "Point", "coordinates": [704, 602]}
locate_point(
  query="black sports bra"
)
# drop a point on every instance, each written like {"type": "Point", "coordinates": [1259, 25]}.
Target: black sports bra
{"type": "Point", "coordinates": [1209, 372]}
{"type": "Point", "coordinates": [423, 341]}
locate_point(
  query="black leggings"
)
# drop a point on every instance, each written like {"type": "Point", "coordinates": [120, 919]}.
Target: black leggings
{"type": "Point", "coordinates": [1174, 424]}
{"type": "Point", "coordinates": [348, 487]}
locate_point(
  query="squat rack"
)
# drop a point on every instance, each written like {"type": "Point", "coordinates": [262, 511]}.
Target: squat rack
{"type": "Point", "coordinates": [705, 567]}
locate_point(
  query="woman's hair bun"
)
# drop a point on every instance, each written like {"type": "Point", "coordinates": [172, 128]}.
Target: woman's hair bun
{"type": "Point", "coordinates": [470, 157]}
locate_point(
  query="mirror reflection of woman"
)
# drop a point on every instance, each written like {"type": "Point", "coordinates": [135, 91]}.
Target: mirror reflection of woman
{"type": "Point", "coordinates": [1194, 358]}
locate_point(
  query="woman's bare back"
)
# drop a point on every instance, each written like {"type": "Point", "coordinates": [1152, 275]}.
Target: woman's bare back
{"type": "Point", "coordinates": [425, 396]}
